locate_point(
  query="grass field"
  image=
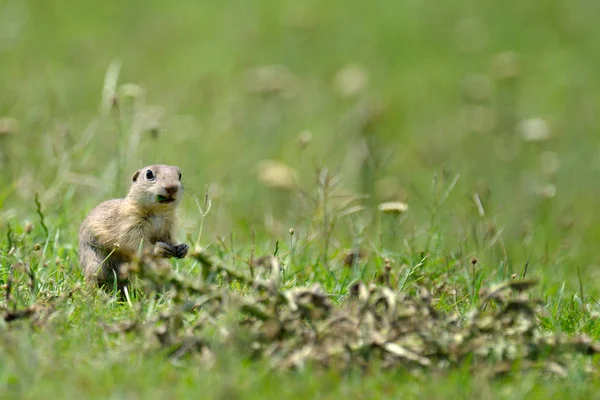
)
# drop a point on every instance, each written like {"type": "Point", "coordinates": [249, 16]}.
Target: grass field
{"type": "Point", "coordinates": [292, 124]}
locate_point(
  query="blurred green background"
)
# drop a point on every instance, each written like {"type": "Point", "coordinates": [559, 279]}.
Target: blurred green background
{"type": "Point", "coordinates": [397, 99]}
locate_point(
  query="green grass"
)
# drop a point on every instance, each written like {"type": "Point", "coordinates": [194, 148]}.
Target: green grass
{"type": "Point", "coordinates": [437, 125]}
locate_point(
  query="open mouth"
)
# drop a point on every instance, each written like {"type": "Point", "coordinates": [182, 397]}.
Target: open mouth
{"type": "Point", "coordinates": [164, 199]}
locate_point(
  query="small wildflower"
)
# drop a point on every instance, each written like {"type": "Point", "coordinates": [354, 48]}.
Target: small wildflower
{"type": "Point", "coordinates": [505, 66]}
{"type": "Point", "coordinates": [388, 264]}
{"type": "Point", "coordinates": [548, 191]}
{"type": "Point", "coordinates": [304, 138]}
{"type": "Point", "coordinates": [276, 175]}
{"type": "Point", "coordinates": [534, 130]}
{"type": "Point", "coordinates": [393, 207]}
{"type": "Point", "coordinates": [8, 126]}
{"type": "Point", "coordinates": [28, 227]}
{"type": "Point", "coordinates": [351, 80]}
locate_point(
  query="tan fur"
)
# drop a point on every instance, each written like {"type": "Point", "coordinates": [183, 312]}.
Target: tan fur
{"type": "Point", "coordinates": [116, 230]}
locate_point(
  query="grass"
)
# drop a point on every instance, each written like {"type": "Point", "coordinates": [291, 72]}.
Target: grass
{"type": "Point", "coordinates": [433, 105]}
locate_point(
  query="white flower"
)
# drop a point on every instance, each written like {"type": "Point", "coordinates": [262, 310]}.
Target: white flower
{"type": "Point", "coordinates": [534, 130]}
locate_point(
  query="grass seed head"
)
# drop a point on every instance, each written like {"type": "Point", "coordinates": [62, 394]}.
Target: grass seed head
{"type": "Point", "coordinates": [132, 90]}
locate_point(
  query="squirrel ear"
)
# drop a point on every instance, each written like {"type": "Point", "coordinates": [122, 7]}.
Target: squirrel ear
{"type": "Point", "coordinates": [135, 176]}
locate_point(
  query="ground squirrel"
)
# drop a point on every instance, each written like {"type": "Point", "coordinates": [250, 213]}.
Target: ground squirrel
{"type": "Point", "coordinates": [115, 231]}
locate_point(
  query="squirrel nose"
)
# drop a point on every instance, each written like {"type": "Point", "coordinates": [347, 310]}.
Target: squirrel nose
{"type": "Point", "coordinates": [171, 189]}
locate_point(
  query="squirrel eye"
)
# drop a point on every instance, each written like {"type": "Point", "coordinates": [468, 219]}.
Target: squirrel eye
{"type": "Point", "coordinates": [180, 176]}
{"type": "Point", "coordinates": [149, 175]}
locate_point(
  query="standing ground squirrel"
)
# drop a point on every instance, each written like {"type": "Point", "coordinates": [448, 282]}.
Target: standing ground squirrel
{"type": "Point", "coordinates": [115, 231]}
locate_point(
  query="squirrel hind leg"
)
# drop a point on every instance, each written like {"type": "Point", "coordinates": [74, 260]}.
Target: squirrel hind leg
{"type": "Point", "coordinates": [99, 266]}
{"type": "Point", "coordinates": [90, 261]}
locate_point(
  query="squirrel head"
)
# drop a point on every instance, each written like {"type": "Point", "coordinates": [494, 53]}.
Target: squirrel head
{"type": "Point", "coordinates": [156, 187]}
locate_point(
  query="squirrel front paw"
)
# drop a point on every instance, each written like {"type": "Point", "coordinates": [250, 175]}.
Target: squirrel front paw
{"type": "Point", "coordinates": [162, 249]}
{"type": "Point", "coordinates": [181, 250]}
